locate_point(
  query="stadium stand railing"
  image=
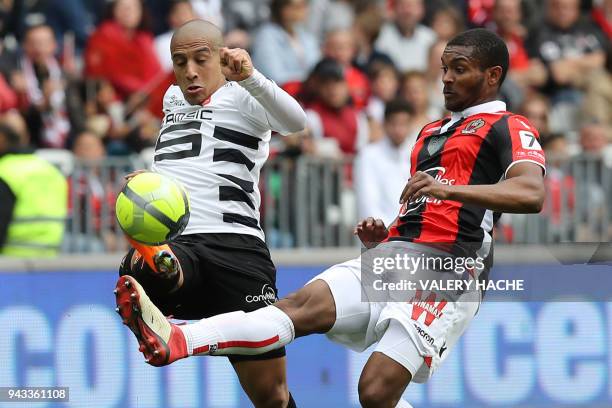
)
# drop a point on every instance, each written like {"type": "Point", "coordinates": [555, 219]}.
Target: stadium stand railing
{"type": "Point", "coordinates": [310, 202]}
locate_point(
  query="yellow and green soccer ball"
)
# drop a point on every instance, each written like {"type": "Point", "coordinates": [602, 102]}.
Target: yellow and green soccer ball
{"type": "Point", "coordinates": [152, 208]}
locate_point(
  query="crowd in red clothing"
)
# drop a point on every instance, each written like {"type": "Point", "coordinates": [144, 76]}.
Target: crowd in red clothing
{"type": "Point", "coordinates": [104, 72]}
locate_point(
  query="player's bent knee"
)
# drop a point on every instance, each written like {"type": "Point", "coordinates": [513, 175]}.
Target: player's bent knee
{"type": "Point", "coordinates": [376, 392]}
{"type": "Point", "coordinates": [312, 309]}
{"type": "Point", "coordinates": [274, 396]}
{"type": "Point", "coordinates": [373, 397]}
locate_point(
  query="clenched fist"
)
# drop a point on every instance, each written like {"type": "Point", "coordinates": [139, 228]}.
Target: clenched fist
{"type": "Point", "coordinates": [236, 64]}
{"type": "Point", "coordinates": [371, 231]}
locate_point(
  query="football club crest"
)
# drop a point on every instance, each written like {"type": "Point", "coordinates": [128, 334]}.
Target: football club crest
{"type": "Point", "coordinates": [473, 126]}
{"type": "Point", "coordinates": [435, 143]}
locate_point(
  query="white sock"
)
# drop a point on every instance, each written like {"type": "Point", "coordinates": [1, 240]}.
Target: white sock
{"type": "Point", "coordinates": [250, 333]}
{"type": "Point", "coordinates": [403, 404]}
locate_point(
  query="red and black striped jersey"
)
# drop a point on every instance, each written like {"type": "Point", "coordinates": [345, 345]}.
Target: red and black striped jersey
{"type": "Point", "coordinates": [478, 148]}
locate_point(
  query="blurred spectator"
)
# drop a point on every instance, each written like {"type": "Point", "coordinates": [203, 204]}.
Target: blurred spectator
{"type": "Point", "coordinates": [593, 139]}
{"type": "Point", "coordinates": [33, 197]}
{"type": "Point", "coordinates": [525, 71]}
{"type": "Point", "coordinates": [105, 114]}
{"type": "Point", "coordinates": [15, 121]}
{"type": "Point", "coordinates": [569, 47]}
{"type": "Point", "coordinates": [13, 15]}
{"type": "Point", "coordinates": [209, 10]}
{"type": "Point", "coordinates": [479, 12]}
{"type": "Point", "coordinates": [245, 15]}
{"type": "Point", "coordinates": [331, 117]}
{"type": "Point", "coordinates": [413, 89]}
{"type": "Point", "coordinates": [536, 109]}
{"type": "Point", "coordinates": [41, 87]}
{"type": "Point", "coordinates": [382, 168]}
{"type": "Point", "coordinates": [384, 82]}
{"type": "Point", "coordinates": [366, 29]}
{"type": "Point", "coordinates": [329, 15]}
{"type": "Point", "coordinates": [597, 105]}
{"type": "Point", "coordinates": [404, 39]}
{"type": "Point", "coordinates": [602, 16]}
{"type": "Point", "coordinates": [69, 17]}
{"type": "Point", "coordinates": [8, 97]}
{"type": "Point", "coordinates": [434, 77]}
{"type": "Point", "coordinates": [122, 51]}
{"type": "Point", "coordinates": [122, 131]}
{"type": "Point", "coordinates": [181, 11]}
{"type": "Point", "coordinates": [593, 165]}
{"type": "Point", "coordinates": [447, 22]}
{"type": "Point", "coordinates": [560, 197]}
{"type": "Point", "coordinates": [339, 45]}
{"type": "Point", "coordinates": [282, 50]}
{"type": "Point", "coordinates": [90, 196]}
{"type": "Point", "coordinates": [237, 39]}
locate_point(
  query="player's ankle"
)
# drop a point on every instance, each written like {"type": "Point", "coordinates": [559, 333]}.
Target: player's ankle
{"type": "Point", "coordinates": [168, 268]}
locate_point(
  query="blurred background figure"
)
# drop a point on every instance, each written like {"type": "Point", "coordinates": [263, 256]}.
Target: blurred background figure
{"type": "Point", "coordinates": [405, 39]}
{"type": "Point", "coordinates": [339, 45]}
{"type": "Point", "coordinates": [382, 168]}
{"type": "Point", "coordinates": [122, 51]}
{"type": "Point", "coordinates": [570, 47]}
{"type": "Point", "coordinates": [366, 28]}
{"type": "Point", "coordinates": [181, 11]}
{"type": "Point", "coordinates": [537, 110]}
{"type": "Point", "coordinates": [332, 120]}
{"type": "Point", "coordinates": [447, 22]}
{"type": "Point", "coordinates": [560, 186]}
{"type": "Point", "coordinates": [413, 89]}
{"type": "Point", "coordinates": [33, 195]}
{"type": "Point", "coordinates": [282, 49]}
{"type": "Point", "coordinates": [42, 87]}
{"type": "Point", "coordinates": [91, 197]}
{"type": "Point", "coordinates": [597, 105]}
{"type": "Point", "coordinates": [508, 23]}
{"type": "Point", "coordinates": [602, 16]}
{"type": "Point", "coordinates": [384, 84]}
{"type": "Point", "coordinates": [434, 76]}
{"type": "Point", "coordinates": [330, 15]}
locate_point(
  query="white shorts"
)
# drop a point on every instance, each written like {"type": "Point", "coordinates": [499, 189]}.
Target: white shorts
{"type": "Point", "coordinates": [416, 337]}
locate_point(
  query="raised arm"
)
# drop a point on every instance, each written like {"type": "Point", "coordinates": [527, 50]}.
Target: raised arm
{"type": "Point", "coordinates": [282, 113]}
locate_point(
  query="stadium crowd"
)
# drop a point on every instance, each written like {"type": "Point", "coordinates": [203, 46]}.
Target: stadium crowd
{"type": "Point", "coordinates": [88, 76]}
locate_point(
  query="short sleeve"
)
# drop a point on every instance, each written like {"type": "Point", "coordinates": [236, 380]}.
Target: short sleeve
{"type": "Point", "coordinates": [515, 140]}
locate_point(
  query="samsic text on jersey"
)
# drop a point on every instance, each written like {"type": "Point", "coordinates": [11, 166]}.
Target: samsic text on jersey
{"type": "Point", "coordinates": [478, 149]}
{"type": "Point", "coordinates": [216, 151]}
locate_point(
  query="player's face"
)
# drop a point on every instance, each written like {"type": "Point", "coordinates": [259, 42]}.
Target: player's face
{"type": "Point", "coordinates": [197, 68]}
{"type": "Point", "coordinates": [465, 84]}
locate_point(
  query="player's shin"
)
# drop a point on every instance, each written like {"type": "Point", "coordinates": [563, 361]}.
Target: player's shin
{"type": "Point", "coordinates": [243, 333]}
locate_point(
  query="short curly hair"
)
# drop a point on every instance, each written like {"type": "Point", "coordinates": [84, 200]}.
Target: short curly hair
{"type": "Point", "coordinates": [489, 49]}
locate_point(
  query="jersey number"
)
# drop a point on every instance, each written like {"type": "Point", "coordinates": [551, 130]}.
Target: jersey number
{"type": "Point", "coordinates": [529, 141]}
{"type": "Point", "coordinates": [195, 139]}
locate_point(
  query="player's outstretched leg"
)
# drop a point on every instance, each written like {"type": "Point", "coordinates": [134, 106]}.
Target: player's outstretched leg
{"type": "Point", "coordinates": [310, 310]}
{"type": "Point", "coordinates": [160, 341]}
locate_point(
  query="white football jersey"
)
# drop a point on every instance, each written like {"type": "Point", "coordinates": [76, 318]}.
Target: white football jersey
{"type": "Point", "coordinates": [216, 150]}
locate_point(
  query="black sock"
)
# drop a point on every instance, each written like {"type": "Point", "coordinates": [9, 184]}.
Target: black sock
{"type": "Point", "coordinates": [291, 403]}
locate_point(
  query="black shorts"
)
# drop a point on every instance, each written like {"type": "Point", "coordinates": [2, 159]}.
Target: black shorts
{"type": "Point", "coordinates": [222, 273]}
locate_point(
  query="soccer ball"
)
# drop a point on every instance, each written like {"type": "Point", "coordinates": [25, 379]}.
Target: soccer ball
{"type": "Point", "coordinates": [152, 208]}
